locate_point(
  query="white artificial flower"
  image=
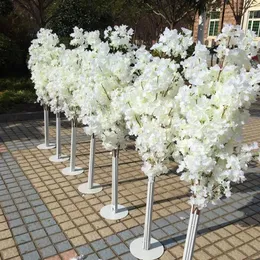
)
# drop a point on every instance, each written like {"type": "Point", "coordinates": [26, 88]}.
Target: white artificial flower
{"type": "Point", "coordinates": [44, 57]}
{"type": "Point", "coordinates": [173, 43]}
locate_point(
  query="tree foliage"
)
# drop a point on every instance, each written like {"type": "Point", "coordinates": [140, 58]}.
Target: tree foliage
{"type": "Point", "coordinates": [79, 13]}
{"type": "Point", "coordinates": [6, 7]}
{"type": "Point", "coordinates": [41, 11]}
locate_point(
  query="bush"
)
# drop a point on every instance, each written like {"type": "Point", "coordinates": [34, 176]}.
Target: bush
{"type": "Point", "coordinates": [9, 99]}
{"type": "Point", "coordinates": [15, 83]}
{"type": "Point", "coordinates": [17, 95]}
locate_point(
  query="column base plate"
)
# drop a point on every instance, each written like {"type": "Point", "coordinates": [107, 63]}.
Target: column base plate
{"type": "Point", "coordinates": [156, 250]}
{"type": "Point", "coordinates": [46, 147]}
{"type": "Point", "coordinates": [77, 171]}
{"type": "Point", "coordinates": [108, 213]}
{"type": "Point", "coordinates": [83, 188]}
{"type": "Point", "coordinates": [62, 158]}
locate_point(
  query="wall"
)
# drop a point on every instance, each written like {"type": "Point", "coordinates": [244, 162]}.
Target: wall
{"type": "Point", "coordinates": [228, 18]}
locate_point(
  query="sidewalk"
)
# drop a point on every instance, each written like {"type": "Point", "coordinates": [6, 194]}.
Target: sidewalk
{"type": "Point", "coordinates": [43, 216]}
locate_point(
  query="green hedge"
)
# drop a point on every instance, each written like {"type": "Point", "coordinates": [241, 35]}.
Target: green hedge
{"type": "Point", "coordinates": [16, 83]}
{"type": "Point", "coordinates": [17, 95]}
{"type": "Point", "coordinates": [10, 99]}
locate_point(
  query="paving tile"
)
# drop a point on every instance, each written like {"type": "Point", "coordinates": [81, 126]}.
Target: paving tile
{"type": "Point", "coordinates": [99, 244]}
{"type": "Point", "coordinates": [44, 215]}
{"type": "Point", "coordinates": [10, 209]}
{"type": "Point", "coordinates": [84, 250]}
{"type": "Point", "coordinates": [34, 226]}
{"type": "Point", "coordinates": [159, 234]}
{"type": "Point", "coordinates": [15, 223]}
{"type": "Point", "coordinates": [58, 237]}
{"type": "Point", "coordinates": [112, 240]}
{"type": "Point", "coordinates": [12, 216]}
{"type": "Point", "coordinates": [30, 219]}
{"type": "Point", "coordinates": [48, 251]}
{"type": "Point", "coordinates": [137, 231]}
{"type": "Point", "coordinates": [42, 242]}
{"type": "Point", "coordinates": [48, 222]}
{"type": "Point", "coordinates": [41, 208]}
{"type": "Point", "coordinates": [38, 234]}
{"type": "Point", "coordinates": [120, 249]}
{"type": "Point", "coordinates": [106, 254]}
{"type": "Point", "coordinates": [52, 229]}
{"type": "Point", "coordinates": [63, 246]}
{"type": "Point", "coordinates": [7, 203]}
{"type": "Point", "coordinates": [32, 256]}
{"type": "Point", "coordinates": [26, 248]}
{"type": "Point", "coordinates": [68, 254]}
{"type": "Point", "coordinates": [19, 230]}
{"type": "Point", "coordinates": [38, 202]}
{"type": "Point", "coordinates": [9, 253]}
{"type": "Point", "coordinates": [23, 205]}
{"type": "Point", "coordinates": [125, 235]}
{"type": "Point", "coordinates": [93, 257]}
{"type": "Point", "coordinates": [161, 222]}
{"type": "Point", "coordinates": [128, 257]}
{"type": "Point", "coordinates": [22, 238]}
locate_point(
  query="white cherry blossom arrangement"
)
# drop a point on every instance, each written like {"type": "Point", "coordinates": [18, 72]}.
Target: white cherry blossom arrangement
{"type": "Point", "coordinates": [44, 56]}
{"type": "Point", "coordinates": [109, 75]}
{"type": "Point", "coordinates": [177, 106]}
{"type": "Point", "coordinates": [105, 72]}
{"type": "Point", "coordinates": [149, 102]}
{"type": "Point", "coordinates": [210, 114]}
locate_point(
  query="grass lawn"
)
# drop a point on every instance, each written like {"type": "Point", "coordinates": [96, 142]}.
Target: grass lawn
{"type": "Point", "coordinates": [17, 95]}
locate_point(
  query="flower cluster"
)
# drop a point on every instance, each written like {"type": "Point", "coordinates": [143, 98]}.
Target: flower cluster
{"type": "Point", "coordinates": [119, 37]}
{"type": "Point", "coordinates": [236, 46]}
{"type": "Point", "coordinates": [174, 44]}
{"type": "Point", "coordinates": [105, 72]}
{"type": "Point", "coordinates": [44, 56]}
{"type": "Point", "coordinates": [149, 101]}
{"type": "Point", "coordinates": [210, 114]}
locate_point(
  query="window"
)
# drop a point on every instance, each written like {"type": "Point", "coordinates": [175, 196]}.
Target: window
{"type": "Point", "coordinates": [254, 22]}
{"type": "Point", "coordinates": [214, 23]}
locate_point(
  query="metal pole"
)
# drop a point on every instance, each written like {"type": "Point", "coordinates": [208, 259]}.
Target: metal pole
{"type": "Point", "coordinates": [148, 214]}
{"type": "Point", "coordinates": [115, 155]}
{"type": "Point", "coordinates": [72, 169]}
{"type": "Point", "coordinates": [58, 157]}
{"type": "Point", "coordinates": [114, 210]}
{"type": "Point", "coordinates": [90, 187]}
{"type": "Point", "coordinates": [73, 145]}
{"type": "Point", "coordinates": [91, 162]}
{"type": "Point", "coordinates": [191, 234]}
{"type": "Point", "coordinates": [187, 241]}
{"type": "Point", "coordinates": [46, 125]}
{"type": "Point", "coordinates": [46, 144]}
{"type": "Point", "coordinates": [147, 247]}
{"type": "Point", "coordinates": [58, 135]}
{"type": "Point", "coordinates": [194, 232]}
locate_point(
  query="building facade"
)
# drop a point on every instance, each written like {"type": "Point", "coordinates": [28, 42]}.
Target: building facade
{"type": "Point", "coordinates": [250, 19]}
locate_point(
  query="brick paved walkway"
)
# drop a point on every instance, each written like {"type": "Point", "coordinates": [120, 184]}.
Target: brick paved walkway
{"type": "Point", "coordinates": [43, 216]}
